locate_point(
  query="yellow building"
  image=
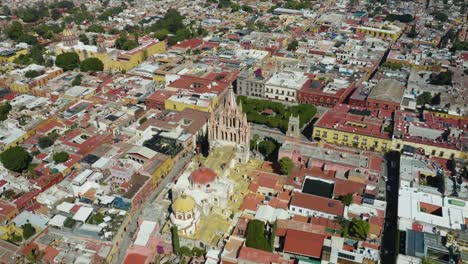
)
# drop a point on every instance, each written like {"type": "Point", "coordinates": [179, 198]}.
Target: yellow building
{"type": "Point", "coordinates": [113, 59]}
{"type": "Point", "coordinates": [205, 102]}
{"type": "Point", "coordinates": [157, 168]}
{"type": "Point", "coordinates": [352, 139]}
{"type": "Point", "coordinates": [365, 131]}
{"type": "Point", "coordinates": [10, 56]}
{"type": "Point", "coordinates": [25, 85]}
{"type": "Point", "coordinates": [10, 232]}
{"type": "Point", "coordinates": [381, 31]}
{"type": "Point", "coordinates": [431, 150]}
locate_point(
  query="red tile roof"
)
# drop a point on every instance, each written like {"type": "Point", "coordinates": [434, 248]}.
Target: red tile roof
{"type": "Point", "coordinates": [341, 119]}
{"type": "Point", "coordinates": [303, 243]}
{"type": "Point", "coordinates": [317, 203]}
{"type": "Point", "coordinates": [135, 258]}
{"type": "Point", "coordinates": [251, 201]}
{"type": "Point", "coordinates": [258, 256]}
{"type": "Point", "coordinates": [50, 254]}
{"type": "Point", "coordinates": [343, 187]}
{"type": "Point", "coordinates": [203, 176]}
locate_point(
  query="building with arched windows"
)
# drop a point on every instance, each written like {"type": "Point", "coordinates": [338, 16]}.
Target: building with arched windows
{"type": "Point", "coordinates": [185, 214]}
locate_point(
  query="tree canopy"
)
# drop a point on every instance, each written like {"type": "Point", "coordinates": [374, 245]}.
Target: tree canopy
{"type": "Point", "coordinates": [28, 230]}
{"type": "Point", "coordinates": [286, 165]}
{"type": "Point", "coordinates": [347, 199]}
{"type": "Point", "coordinates": [60, 157]}
{"type": "Point", "coordinates": [404, 18]}
{"type": "Point", "coordinates": [358, 228]}
{"type": "Point", "coordinates": [124, 43]}
{"type": "Point", "coordinates": [15, 159]}
{"type": "Point", "coordinates": [47, 141]}
{"type": "Point", "coordinates": [32, 74]}
{"type": "Point", "coordinates": [443, 78]}
{"type": "Point", "coordinates": [293, 45]}
{"type": "Point", "coordinates": [91, 64]}
{"type": "Point", "coordinates": [254, 109]}
{"type": "Point", "coordinates": [95, 29]}
{"type": "Point", "coordinates": [68, 61]}
{"type": "Point", "coordinates": [175, 240]}
{"type": "Point", "coordinates": [5, 108]}
{"type": "Point", "coordinates": [257, 237]}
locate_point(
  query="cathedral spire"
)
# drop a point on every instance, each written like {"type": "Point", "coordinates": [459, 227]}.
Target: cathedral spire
{"type": "Point", "coordinates": [230, 98]}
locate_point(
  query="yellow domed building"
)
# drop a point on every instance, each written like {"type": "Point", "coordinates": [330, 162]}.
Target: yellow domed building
{"type": "Point", "coordinates": [68, 37]}
{"type": "Point", "coordinates": [113, 59]}
{"type": "Point", "coordinates": [185, 214]}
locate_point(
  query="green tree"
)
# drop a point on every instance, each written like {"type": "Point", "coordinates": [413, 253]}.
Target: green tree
{"type": "Point", "coordinates": [77, 80]}
{"type": "Point", "coordinates": [15, 30]}
{"type": "Point", "coordinates": [347, 199]}
{"type": "Point", "coordinates": [95, 29]}
{"type": "Point", "coordinates": [424, 98]}
{"type": "Point", "coordinates": [175, 240]}
{"type": "Point", "coordinates": [426, 260]}
{"type": "Point", "coordinates": [235, 7]}
{"type": "Point", "coordinates": [443, 78]}
{"type": "Point", "coordinates": [55, 14]}
{"type": "Point", "coordinates": [83, 38]}
{"type": "Point", "coordinates": [60, 157]}
{"type": "Point", "coordinates": [32, 74]}
{"type": "Point", "coordinates": [4, 111]}
{"type": "Point", "coordinates": [15, 159]}
{"type": "Point", "coordinates": [256, 236]}
{"type": "Point", "coordinates": [247, 8]}
{"type": "Point", "coordinates": [28, 230]}
{"type": "Point", "coordinates": [46, 141]}
{"type": "Point", "coordinates": [440, 16]}
{"type": "Point", "coordinates": [358, 228]}
{"type": "Point", "coordinates": [435, 99]}
{"type": "Point", "coordinates": [293, 45]}
{"type": "Point", "coordinates": [143, 120]}
{"type": "Point", "coordinates": [267, 148]}
{"type": "Point", "coordinates": [68, 61]}
{"type": "Point", "coordinates": [69, 222]}
{"type": "Point", "coordinates": [123, 43]}
{"type": "Point", "coordinates": [161, 34]}
{"type": "Point", "coordinates": [185, 251]}
{"type": "Point", "coordinates": [404, 18]}
{"type": "Point", "coordinates": [286, 165]}
{"type": "Point", "coordinates": [91, 64]}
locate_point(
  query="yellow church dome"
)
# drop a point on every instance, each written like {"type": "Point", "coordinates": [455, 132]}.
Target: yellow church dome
{"type": "Point", "coordinates": [184, 204]}
{"type": "Point", "coordinates": [67, 32]}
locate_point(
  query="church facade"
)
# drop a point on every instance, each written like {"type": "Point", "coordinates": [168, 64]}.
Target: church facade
{"type": "Point", "coordinates": [228, 126]}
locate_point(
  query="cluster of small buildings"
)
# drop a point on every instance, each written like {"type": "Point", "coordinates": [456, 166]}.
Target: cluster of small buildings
{"type": "Point", "coordinates": [159, 164]}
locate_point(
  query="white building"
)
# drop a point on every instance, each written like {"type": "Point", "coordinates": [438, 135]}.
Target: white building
{"type": "Point", "coordinates": [284, 85]}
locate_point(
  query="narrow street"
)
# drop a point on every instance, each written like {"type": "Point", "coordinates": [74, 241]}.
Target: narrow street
{"type": "Point", "coordinates": [132, 228]}
{"type": "Point", "coordinates": [391, 216]}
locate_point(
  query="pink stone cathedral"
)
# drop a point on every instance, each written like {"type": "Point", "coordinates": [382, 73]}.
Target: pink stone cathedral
{"type": "Point", "coordinates": [229, 126]}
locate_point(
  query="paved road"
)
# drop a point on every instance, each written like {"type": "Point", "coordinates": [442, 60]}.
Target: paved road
{"type": "Point", "coordinates": [264, 131]}
{"type": "Point", "coordinates": [132, 228]}
{"type": "Point", "coordinates": [391, 216]}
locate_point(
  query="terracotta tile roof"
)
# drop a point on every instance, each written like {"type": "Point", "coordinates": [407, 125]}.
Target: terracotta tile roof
{"type": "Point", "coordinates": [303, 243]}
{"type": "Point", "coordinates": [258, 256]}
{"type": "Point", "coordinates": [343, 187]}
{"type": "Point", "coordinates": [251, 202]}
{"type": "Point", "coordinates": [317, 203]}
{"type": "Point", "coordinates": [135, 258]}
{"type": "Point", "coordinates": [50, 254]}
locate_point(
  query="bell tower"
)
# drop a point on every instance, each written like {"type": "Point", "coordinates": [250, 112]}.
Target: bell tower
{"type": "Point", "coordinates": [293, 127]}
{"type": "Point", "coordinates": [101, 47]}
